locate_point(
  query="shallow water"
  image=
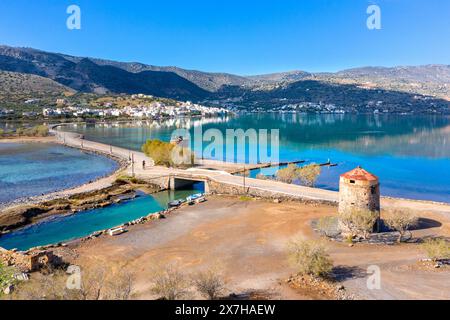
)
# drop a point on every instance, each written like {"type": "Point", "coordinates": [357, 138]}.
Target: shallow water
{"type": "Point", "coordinates": [410, 154]}
{"type": "Point", "coordinates": [29, 169]}
{"type": "Point", "coordinates": [65, 228]}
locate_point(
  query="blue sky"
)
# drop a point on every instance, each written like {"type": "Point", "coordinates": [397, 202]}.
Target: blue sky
{"type": "Point", "coordinates": [242, 37]}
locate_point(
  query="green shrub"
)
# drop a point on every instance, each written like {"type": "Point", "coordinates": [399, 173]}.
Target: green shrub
{"type": "Point", "coordinates": [437, 249]}
{"type": "Point", "coordinates": [359, 221]}
{"type": "Point", "coordinates": [288, 174]}
{"type": "Point", "coordinates": [167, 154]}
{"type": "Point", "coordinates": [37, 131]}
{"type": "Point", "coordinates": [310, 257]}
{"type": "Point", "coordinates": [327, 225]}
{"type": "Point", "coordinates": [401, 221]}
{"type": "Point", "coordinates": [309, 174]}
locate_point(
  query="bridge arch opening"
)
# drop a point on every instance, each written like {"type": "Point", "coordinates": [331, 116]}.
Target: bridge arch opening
{"type": "Point", "coordinates": [187, 184]}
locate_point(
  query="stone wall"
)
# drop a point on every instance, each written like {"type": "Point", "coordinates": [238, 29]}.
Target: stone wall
{"type": "Point", "coordinates": [29, 261]}
{"type": "Point", "coordinates": [162, 182]}
{"type": "Point", "coordinates": [228, 189]}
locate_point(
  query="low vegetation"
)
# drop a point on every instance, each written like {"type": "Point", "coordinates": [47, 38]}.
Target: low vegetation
{"type": "Point", "coordinates": [246, 198]}
{"type": "Point", "coordinates": [168, 154]}
{"type": "Point", "coordinates": [307, 175]}
{"type": "Point", "coordinates": [437, 249]}
{"type": "Point", "coordinates": [327, 225]}
{"type": "Point", "coordinates": [310, 257]}
{"type": "Point", "coordinates": [36, 131]}
{"type": "Point", "coordinates": [6, 277]}
{"type": "Point", "coordinates": [170, 283]}
{"type": "Point", "coordinates": [288, 174]}
{"type": "Point", "coordinates": [401, 221]}
{"type": "Point", "coordinates": [261, 176]}
{"type": "Point", "coordinates": [209, 283]}
{"type": "Point", "coordinates": [98, 283]}
{"type": "Point", "coordinates": [360, 222]}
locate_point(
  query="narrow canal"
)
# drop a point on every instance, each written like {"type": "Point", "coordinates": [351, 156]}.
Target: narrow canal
{"type": "Point", "coordinates": [64, 228]}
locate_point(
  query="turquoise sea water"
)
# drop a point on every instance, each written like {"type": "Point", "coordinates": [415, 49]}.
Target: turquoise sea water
{"type": "Point", "coordinates": [410, 154]}
{"type": "Point", "coordinates": [33, 169]}
{"type": "Point", "coordinates": [65, 228]}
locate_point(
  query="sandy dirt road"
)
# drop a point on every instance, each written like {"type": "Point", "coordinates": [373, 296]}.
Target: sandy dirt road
{"type": "Point", "coordinates": [248, 239]}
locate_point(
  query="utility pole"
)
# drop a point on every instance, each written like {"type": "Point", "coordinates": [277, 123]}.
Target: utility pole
{"type": "Point", "coordinates": [132, 164]}
{"type": "Point", "coordinates": [245, 173]}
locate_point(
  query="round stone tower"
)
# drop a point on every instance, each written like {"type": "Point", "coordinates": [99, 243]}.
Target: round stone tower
{"type": "Point", "coordinates": [359, 189]}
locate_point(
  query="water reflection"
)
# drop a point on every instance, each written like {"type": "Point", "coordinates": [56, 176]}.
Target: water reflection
{"type": "Point", "coordinates": [410, 154]}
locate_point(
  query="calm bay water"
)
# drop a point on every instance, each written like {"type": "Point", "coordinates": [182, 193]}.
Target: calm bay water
{"type": "Point", "coordinates": [33, 169]}
{"type": "Point", "coordinates": [65, 228]}
{"type": "Point", "coordinates": [410, 154]}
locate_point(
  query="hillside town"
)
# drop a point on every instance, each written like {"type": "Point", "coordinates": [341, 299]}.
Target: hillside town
{"type": "Point", "coordinates": [138, 106]}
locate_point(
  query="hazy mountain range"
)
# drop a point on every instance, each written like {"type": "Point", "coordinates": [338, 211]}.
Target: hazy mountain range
{"type": "Point", "coordinates": [61, 72]}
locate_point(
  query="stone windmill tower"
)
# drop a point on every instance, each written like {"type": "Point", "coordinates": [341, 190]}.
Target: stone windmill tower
{"type": "Point", "coordinates": [359, 189]}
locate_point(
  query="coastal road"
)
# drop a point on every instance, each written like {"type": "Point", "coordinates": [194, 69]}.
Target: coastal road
{"type": "Point", "coordinates": [219, 172]}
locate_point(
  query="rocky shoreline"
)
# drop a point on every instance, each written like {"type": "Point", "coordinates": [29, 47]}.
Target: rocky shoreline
{"type": "Point", "coordinates": [19, 216]}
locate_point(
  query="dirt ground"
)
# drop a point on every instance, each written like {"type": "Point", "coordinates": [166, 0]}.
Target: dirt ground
{"type": "Point", "coordinates": [248, 240]}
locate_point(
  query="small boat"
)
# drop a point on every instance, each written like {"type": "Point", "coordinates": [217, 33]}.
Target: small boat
{"type": "Point", "coordinates": [176, 203]}
{"type": "Point", "coordinates": [116, 231]}
{"type": "Point", "coordinates": [200, 200]}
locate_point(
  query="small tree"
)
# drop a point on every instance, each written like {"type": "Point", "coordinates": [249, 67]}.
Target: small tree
{"type": "Point", "coordinates": [167, 154]}
{"type": "Point", "coordinates": [42, 131]}
{"type": "Point", "coordinates": [159, 151]}
{"type": "Point", "coordinates": [170, 283]}
{"type": "Point", "coordinates": [209, 284]}
{"type": "Point", "coordinates": [437, 249]}
{"type": "Point", "coordinates": [287, 175]}
{"type": "Point", "coordinates": [359, 221]}
{"type": "Point", "coordinates": [310, 257]}
{"type": "Point", "coordinates": [309, 174]}
{"type": "Point", "coordinates": [401, 221]}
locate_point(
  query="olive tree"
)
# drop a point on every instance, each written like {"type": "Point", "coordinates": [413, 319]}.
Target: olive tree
{"type": "Point", "coordinates": [309, 174]}
{"type": "Point", "coordinates": [167, 154]}
{"type": "Point", "coordinates": [401, 221]}
{"type": "Point", "coordinates": [288, 174]}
